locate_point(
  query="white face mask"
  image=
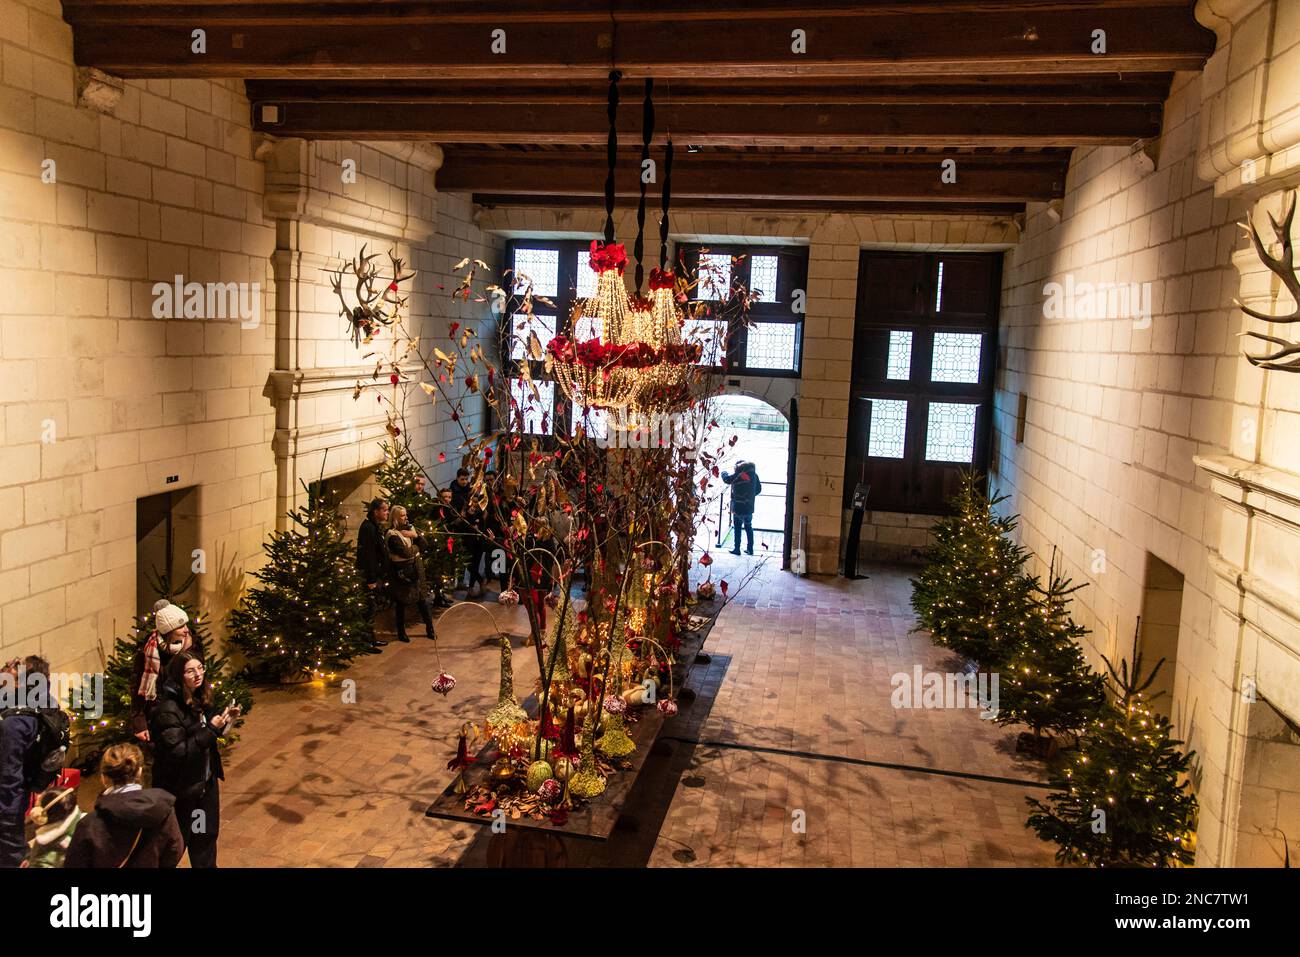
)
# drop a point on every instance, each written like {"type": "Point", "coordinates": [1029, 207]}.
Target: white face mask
{"type": "Point", "coordinates": [176, 646]}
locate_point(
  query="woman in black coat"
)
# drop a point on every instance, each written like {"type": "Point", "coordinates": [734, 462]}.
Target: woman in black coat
{"type": "Point", "coordinates": [407, 582]}
{"type": "Point", "coordinates": [131, 826]}
{"type": "Point", "coordinates": [184, 727]}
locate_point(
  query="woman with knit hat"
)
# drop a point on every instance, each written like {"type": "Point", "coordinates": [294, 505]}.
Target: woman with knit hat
{"type": "Point", "coordinates": [171, 635]}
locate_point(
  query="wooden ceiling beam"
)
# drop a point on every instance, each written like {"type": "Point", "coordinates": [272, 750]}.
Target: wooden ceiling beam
{"type": "Point", "coordinates": [769, 205]}
{"type": "Point", "coordinates": [577, 40]}
{"type": "Point", "coordinates": [717, 125]}
{"type": "Point", "coordinates": [867, 177]}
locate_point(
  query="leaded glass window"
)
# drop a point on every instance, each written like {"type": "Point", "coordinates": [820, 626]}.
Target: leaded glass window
{"type": "Point", "coordinates": [541, 267]}
{"type": "Point", "coordinates": [899, 363]}
{"type": "Point", "coordinates": [521, 328]}
{"type": "Point", "coordinates": [535, 413]}
{"type": "Point", "coordinates": [712, 335]}
{"type": "Point", "coordinates": [762, 277]}
{"type": "Point", "coordinates": [950, 432]}
{"type": "Point", "coordinates": [771, 345]}
{"type": "Point", "coordinates": [956, 357]}
{"type": "Point", "coordinates": [586, 278]}
{"type": "Point", "coordinates": [888, 435]}
{"type": "Point", "coordinates": [714, 277]}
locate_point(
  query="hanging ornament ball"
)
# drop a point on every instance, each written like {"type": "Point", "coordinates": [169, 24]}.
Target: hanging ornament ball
{"type": "Point", "coordinates": [706, 591]}
{"type": "Point", "coordinates": [553, 600]}
{"type": "Point", "coordinates": [539, 772]}
{"type": "Point", "coordinates": [563, 769]}
{"type": "Point", "coordinates": [550, 790]}
{"type": "Point", "coordinates": [668, 707]}
{"type": "Point", "coordinates": [615, 705]}
{"type": "Point", "coordinates": [444, 683]}
{"type": "Point", "coordinates": [508, 597]}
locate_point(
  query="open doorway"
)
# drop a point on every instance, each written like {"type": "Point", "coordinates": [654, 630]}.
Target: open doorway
{"type": "Point", "coordinates": [762, 437]}
{"type": "Point", "coordinates": [1162, 609]}
{"type": "Point", "coordinates": [166, 543]}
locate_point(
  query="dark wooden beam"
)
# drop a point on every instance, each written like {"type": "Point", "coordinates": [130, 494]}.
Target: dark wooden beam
{"type": "Point", "coordinates": [1037, 88]}
{"type": "Point", "coordinates": [717, 124]}
{"type": "Point", "coordinates": [770, 205]}
{"type": "Point", "coordinates": [763, 177]}
{"type": "Point", "coordinates": [579, 40]}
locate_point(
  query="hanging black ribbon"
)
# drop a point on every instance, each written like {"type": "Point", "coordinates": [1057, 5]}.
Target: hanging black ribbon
{"type": "Point", "coordinates": [647, 133]}
{"type": "Point", "coordinates": [665, 199]}
{"type": "Point", "coordinates": [611, 153]}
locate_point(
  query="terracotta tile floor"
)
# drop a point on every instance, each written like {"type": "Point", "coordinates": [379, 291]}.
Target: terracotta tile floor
{"type": "Point", "coordinates": [800, 667]}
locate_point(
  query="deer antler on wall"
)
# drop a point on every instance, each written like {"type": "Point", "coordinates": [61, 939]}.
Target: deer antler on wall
{"type": "Point", "coordinates": [1284, 266]}
{"type": "Point", "coordinates": [378, 300]}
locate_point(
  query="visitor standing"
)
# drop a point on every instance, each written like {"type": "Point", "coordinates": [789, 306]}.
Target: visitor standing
{"type": "Point", "coordinates": [131, 825]}
{"type": "Point", "coordinates": [170, 636]}
{"type": "Point", "coordinates": [745, 488]}
{"type": "Point", "coordinates": [371, 555]}
{"type": "Point", "coordinates": [33, 738]}
{"type": "Point", "coordinates": [407, 583]}
{"type": "Point", "coordinates": [185, 727]}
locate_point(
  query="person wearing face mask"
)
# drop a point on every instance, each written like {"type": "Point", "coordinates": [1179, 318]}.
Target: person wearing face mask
{"type": "Point", "coordinates": [171, 636]}
{"type": "Point", "coordinates": [186, 726]}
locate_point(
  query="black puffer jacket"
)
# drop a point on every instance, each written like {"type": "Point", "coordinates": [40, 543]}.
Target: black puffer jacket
{"type": "Point", "coordinates": [128, 829]}
{"type": "Point", "coordinates": [185, 752]}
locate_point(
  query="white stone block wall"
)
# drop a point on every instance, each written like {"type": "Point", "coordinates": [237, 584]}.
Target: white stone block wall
{"type": "Point", "coordinates": [1117, 407]}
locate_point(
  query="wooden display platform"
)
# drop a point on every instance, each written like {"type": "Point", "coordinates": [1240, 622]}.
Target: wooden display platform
{"type": "Point", "coordinates": [528, 842]}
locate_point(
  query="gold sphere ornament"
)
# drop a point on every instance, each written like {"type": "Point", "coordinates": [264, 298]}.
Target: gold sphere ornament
{"type": "Point", "coordinates": [563, 769]}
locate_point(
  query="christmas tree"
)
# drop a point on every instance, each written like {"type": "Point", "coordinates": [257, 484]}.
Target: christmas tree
{"type": "Point", "coordinates": [1124, 800]}
{"type": "Point", "coordinates": [1047, 683]}
{"type": "Point", "coordinates": [91, 736]}
{"type": "Point", "coordinates": [973, 595]}
{"type": "Point", "coordinates": [445, 556]}
{"type": "Point", "coordinates": [310, 613]}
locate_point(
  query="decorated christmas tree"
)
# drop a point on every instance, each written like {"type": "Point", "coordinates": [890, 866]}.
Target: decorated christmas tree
{"type": "Point", "coordinates": [1047, 683]}
{"type": "Point", "coordinates": [309, 613]}
{"type": "Point", "coordinates": [973, 595]}
{"type": "Point", "coordinates": [1124, 799]}
{"type": "Point", "coordinates": [91, 736]}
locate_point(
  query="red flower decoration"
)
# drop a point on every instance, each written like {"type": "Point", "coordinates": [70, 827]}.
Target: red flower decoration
{"type": "Point", "coordinates": [662, 279]}
{"type": "Point", "coordinates": [607, 256]}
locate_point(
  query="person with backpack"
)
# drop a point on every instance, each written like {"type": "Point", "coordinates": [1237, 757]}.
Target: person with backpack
{"type": "Point", "coordinates": [185, 727]}
{"type": "Point", "coordinates": [131, 825]}
{"type": "Point", "coordinates": [33, 741]}
{"type": "Point", "coordinates": [745, 488]}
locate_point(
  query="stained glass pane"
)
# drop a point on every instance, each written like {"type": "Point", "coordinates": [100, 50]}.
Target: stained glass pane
{"type": "Point", "coordinates": [533, 415]}
{"type": "Point", "coordinates": [714, 277]}
{"type": "Point", "coordinates": [938, 290]}
{"type": "Point", "coordinates": [520, 327]}
{"type": "Point", "coordinates": [712, 335]}
{"type": "Point", "coordinates": [588, 328]}
{"type": "Point", "coordinates": [899, 364]}
{"type": "Point", "coordinates": [586, 285]}
{"type": "Point", "coordinates": [541, 267]}
{"type": "Point", "coordinates": [770, 345]}
{"type": "Point", "coordinates": [956, 357]}
{"type": "Point", "coordinates": [950, 432]}
{"type": "Point", "coordinates": [762, 277]}
{"type": "Point", "coordinates": [888, 428]}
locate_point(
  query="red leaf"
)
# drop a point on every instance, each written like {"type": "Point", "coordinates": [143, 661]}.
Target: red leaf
{"type": "Point", "coordinates": [723, 585]}
{"type": "Point", "coordinates": [442, 456]}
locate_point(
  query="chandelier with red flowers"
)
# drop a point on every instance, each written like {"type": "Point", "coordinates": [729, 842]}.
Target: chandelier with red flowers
{"type": "Point", "coordinates": [626, 351]}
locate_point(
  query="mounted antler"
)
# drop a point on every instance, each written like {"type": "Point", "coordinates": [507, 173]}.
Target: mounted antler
{"type": "Point", "coordinates": [1283, 266]}
{"type": "Point", "coordinates": [375, 308]}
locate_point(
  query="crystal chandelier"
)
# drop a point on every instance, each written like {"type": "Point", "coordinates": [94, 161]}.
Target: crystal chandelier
{"type": "Point", "coordinates": [632, 356]}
